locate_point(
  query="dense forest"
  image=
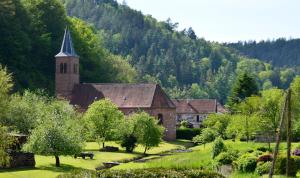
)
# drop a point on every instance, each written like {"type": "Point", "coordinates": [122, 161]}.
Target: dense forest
{"type": "Point", "coordinates": [118, 44]}
{"type": "Point", "coordinates": [31, 34]}
{"type": "Point", "coordinates": [280, 52]}
{"type": "Point", "coordinates": [187, 66]}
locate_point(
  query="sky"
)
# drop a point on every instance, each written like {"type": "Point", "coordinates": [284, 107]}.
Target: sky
{"type": "Point", "coordinates": [228, 20]}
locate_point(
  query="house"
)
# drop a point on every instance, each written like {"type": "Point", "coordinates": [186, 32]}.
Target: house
{"type": "Point", "coordinates": [196, 110]}
{"type": "Point", "coordinates": [129, 98]}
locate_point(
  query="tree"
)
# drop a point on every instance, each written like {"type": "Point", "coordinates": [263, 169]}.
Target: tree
{"type": "Point", "coordinates": [58, 134]}
{"type": "Point", "coordinates": [207, 135]}
{"type": "Point", "coordinates": [104, 119]}
{"type": "Point", "coordinates": [5, 87]}
{"type": "Point", "coordinates": [243, 87]}
{"type": "Point", "coordinates": [6, 142]}
{"type": "Point", "coordinates": [270, 108]}
{"type": "Point", "coordinates": [20, 116]}
{"type": "Point", "coordinates": [218, 122]}
{"type": "Point", "coordinates": [249, 108]}
{"type": "Point", "coordinates": [127, 134]}
{"type": "Point", "coordinates": [218, 147]}
{"type": "Point", "coordinates": [147, 131]}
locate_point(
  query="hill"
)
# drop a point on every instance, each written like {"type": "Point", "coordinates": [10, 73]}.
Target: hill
{"type": "Point", "coordinates": [280, 52]}
{"type": "Point", "coordinates": [185, 65]}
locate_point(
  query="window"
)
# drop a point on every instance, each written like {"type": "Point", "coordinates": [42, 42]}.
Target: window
{"type": "Point", "coordinates": [198, 118]}
{"type": "Point", "coordinates": [65, 67]}
{"type": "Point", "coordinates": [61, 68]}
{"type": "Point", "coordinates": [75, 68]}
{"type": "Point", "coordinates": [160, 119]}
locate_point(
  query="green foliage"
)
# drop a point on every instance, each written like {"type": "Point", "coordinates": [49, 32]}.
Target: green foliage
{"type": "Point", "coordinates": [246, 163]}
{"type": "Point", "coordinates": [5, 87]}
{"type": "Point", "coordinates": [20, 116]}
{"type": "Point", "coordinates": [187, 133]}
{"type": "Point", "coordinates": [103, 118]}
{"type": "Point", "coordinates": [129, 142]}
{"type": "Point", "coordinates": [207, 135]}
{"type": "Point", "coordinates": [59, 133]}
{"type": "Point", "coordinates": [6, 141]}
{"type": "Point", "coordinates": [145, 173]}
{"type": "Point", "coordinates": [218, 147]}
{"type": "Point", "coordinates": [280, 166]}
{"type": "Point", "coordinates": [147, 131]}
{"type": "Point", "coordinates": [263, 167]}
{"type": "Point", "coordinates": [218, 122]}
{"type": "Point", "coordinates": [31, 34]}
{"type": "Point", "coordinates": [244, 86]}
{"type": "Point", "coordinates": [227, 157]}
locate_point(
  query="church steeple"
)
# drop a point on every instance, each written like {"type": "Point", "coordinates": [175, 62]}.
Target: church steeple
{"type": "Point", "coordinates": [67, 48]}
{"type": "Point", "coordinates": [67, 68]}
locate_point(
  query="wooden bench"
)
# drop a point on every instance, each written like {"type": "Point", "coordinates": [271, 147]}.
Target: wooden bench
{"type": "Point", "coordinates": [84, 154]}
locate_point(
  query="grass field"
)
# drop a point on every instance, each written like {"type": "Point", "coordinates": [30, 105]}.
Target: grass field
{"type": "Point", "coordinates": [199, 158]}
{"type": "Point", "coordinates": [45, 167]}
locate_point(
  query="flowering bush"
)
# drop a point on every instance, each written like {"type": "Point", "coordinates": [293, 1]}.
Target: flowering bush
{"type": "Point", "coordinates": [296, 152]}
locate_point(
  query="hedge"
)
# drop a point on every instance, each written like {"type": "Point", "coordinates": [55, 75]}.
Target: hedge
{"type": "Point", "coordinates": [145, 173]}
{"type": "Point", "coordinates": [187, 133]}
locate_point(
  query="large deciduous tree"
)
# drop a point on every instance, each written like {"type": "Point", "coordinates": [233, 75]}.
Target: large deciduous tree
{"type": "Point", "coordinates": [104, 118]}
{"type": "Point", "coordinates": [58, 134]}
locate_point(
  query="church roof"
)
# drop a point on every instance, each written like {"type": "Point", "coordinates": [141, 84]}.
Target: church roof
{"type": "Point", "coordinates": [123, 95]}
{"type": "Point", "coordinates": [67, 48]}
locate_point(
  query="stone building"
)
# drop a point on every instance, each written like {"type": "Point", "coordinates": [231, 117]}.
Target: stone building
{"type": "Point", "coordinates": [129, 98]}
{"type": "Point", "coordinates": [196, 110]}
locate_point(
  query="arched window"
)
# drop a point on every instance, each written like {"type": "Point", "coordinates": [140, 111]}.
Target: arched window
{"type": "Point", "coordinates": [160, 119]}
{"type": "Point", "coordinates": [61, 68]}
{"type": "Point", "coordinates": [65, 67]}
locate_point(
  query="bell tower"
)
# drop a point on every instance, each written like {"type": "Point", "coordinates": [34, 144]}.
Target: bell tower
{"type": "Point", "coordinates": [66, 68]}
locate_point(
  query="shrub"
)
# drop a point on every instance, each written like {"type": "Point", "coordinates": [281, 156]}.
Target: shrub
{"type": "Point", "coordinates": [264, 158]}
{"type": "Point", "coordinates": [227, 157]}
{"type": "Point", "coordinates": [218, 147]}
{"type": "Point", "coordinates": [280, 166]}
{"type": "Point", "coordinates": [186, 133]}
{"type": "Point", "coordinates": [264, 149]}
{"type": "Point", "coordinates": [129, 143]}
{"type": "Point", "coordinates": [263, 167]}
{"type": "Point", "coordinates": [249, 151]}
{"type": "Point", "coordinates": [246, 163]}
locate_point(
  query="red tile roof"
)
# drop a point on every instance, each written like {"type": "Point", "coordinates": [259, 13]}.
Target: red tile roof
{"type": "Point", "coordinates": [195, 106]}
{"type": "Point", "coordinates": [124, 95]}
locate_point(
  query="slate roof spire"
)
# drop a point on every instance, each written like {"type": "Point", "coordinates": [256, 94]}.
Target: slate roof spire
{"type": "Point", "coordinates": [67, 48]}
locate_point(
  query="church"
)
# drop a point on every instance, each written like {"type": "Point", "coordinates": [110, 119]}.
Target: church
{"type": "Point", "coordinates": [129, 98]}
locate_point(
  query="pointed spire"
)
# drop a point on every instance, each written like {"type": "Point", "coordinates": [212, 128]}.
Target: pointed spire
{"type": "Point", "coordinates": [67, 48]}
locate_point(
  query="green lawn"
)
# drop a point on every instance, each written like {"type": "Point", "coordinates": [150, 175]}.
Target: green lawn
{"type": "Point", "coordinates": [45, 167]}
{"type": "Point", "coordinates": [200, 158]}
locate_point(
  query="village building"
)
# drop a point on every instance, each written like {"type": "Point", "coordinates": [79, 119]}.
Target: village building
{"type": "Point", "coordinates": [194, 111]}
{"type": "Point", "coordinates": [129, 98]}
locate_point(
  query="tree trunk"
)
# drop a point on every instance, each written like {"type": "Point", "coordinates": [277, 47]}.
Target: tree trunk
{"type": "Point", "coordinates": [57, 163]}
{"type": "Point", "coordinates": [145, 150]}
{"type": "Point", "coordinates": [247, 131]}
{"type": "Point", "coordinates": [103, 144]}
